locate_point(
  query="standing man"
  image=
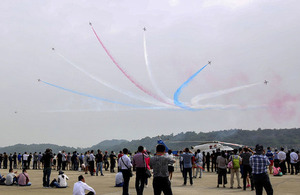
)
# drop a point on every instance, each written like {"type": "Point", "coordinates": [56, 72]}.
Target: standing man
{"type": "Point", "coordinates": [112, 158]}
{"type": "Point", "coordinates": [199, 163]}
{"type": "Point", "coordinates": [288, 161]}
{"type": "Point", "coordinates": [35, 160]}
{"type": "Point", "coordinates": [5, 157]}
{"type": "Point", "coordinates": [236, 161]}
{"type": "Point", "coordinates": [140, 165]}
{"type": "Point", "coordinates": [187, 165]}
{"type": "Point", "coordinates": [159, 164]}
{"type": "Point", "coordinates": [246, 167]}
{"type": "Point", "coordinates": [125, 167]}
{"type": "Point", "coordinates": [29, 160]}
{"type": "Point", "coordinates": [39, 160]}
{"type": "Point", "coordinates": [25, 160]}
{"type": "Point", "coordinates": [92, 163]}
{"type": "Point", "coordinates": [282, 157]}
{"type": "Point", "coordinates": [19, 161]}
{"type": "Point", "coordinates": [259, 163]}
{"type": "Point", "coordinates": [59, 160]}
{"type": "Point", "coordinates": [99, 161]}
{"type": "Point", "coordinates": [106, 163]}
{"type": "Point", "coordinates": [294, 160]}
{"type": "Point", "coordinates": [47, 160]}
{"type": "Point", "coordinates": [15, 157]}
{"type": "Point", "coordinates": [64, 160]}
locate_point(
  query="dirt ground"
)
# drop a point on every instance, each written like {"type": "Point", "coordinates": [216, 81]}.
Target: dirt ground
{"type": "Point", "coordinates": [288, 184]}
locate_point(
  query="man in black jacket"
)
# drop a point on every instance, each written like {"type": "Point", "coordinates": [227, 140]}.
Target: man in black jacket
{"type": "Point", "coordinates": [47, 160]}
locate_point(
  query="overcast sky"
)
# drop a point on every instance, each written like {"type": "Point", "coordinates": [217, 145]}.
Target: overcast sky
{"type": "Point", "coordinates": [247, 41]}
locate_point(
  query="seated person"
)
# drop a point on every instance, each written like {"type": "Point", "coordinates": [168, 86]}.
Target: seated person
{"type": "Point", "coordinates": [23, 178]}
{"type": "Point", "coordinates": [81, 186]}
{"type": "Point", "coordinates": [119, 180]}
{"type": "Point", "coordinates": [61, 181]}
{"type": "Point", "coordinates": [2, 179]}
{"type": "Point", "coordinates": [11, 178]}
{"type": "Point", "coordinates": [277, 171]}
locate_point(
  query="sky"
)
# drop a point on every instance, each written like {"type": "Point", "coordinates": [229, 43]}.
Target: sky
{"type": "Point", "coordinates": [145, 82]}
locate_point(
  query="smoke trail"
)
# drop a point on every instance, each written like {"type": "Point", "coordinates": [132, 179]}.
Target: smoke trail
{"type": "Point", "coordinates": [227, 107]}
{"type": "Point", "coordinates": [195, 100]}
{"type": "Point", "coordinates": [124, 72]}
{"type": "Point", "coordinates": [178, 91]}
{"type": "Point", "coordinates": [129, 94]}
{"type": "Point", "coordinates": [98, 98]}
{"type": "Point", "coordinates": [154, 84]}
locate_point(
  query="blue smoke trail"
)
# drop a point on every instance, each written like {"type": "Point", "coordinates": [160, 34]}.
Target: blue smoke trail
{"type": "Point", "coordinates": [99, 98]}
{"type": "Point", "coordinates": [178, 91]}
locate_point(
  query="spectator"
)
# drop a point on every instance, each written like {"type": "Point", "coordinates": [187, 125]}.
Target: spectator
{"type": "Point", "coordinates": [259, 163]}
{"type": "Point", "coordinates": [47, 160]}
{"type": "Point", "coordinates": [187, 165]}
{"type": "Point", "coordinates": [282, 157]}
{"type": "Point", "coordinates": [294, 160]}
{"type": "Point", "coordinates": [222, 169]}
{"type": "Point", "coordinates": [11, 178]}
{"type": "Point", "coordinates": [159, 163]}
{"type": "Point", "coordinates": [125, 167]}
{"type": "Point", "coordinates": [236, 161]}
{"type": "Point", "coordinates": [80, 187]}
{"type": "Point", "coordinates": [199, 163]}
{"type": "Point", "coordinates": [246, 167]}
{"type": "Point", "coordinates": [61, 180]}
{"type": "Point", "coordinates": [119, 179]}
{"type": "Point", "coordinates": [140, 164]}
{"type": "Point", "coordinates": [23, 178]}
{"type": "Point", "coordinates": [2, 179]}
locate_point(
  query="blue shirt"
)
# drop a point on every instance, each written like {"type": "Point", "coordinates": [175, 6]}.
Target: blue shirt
{"type": "Point", "coordinates": [269, 155]}
{"type": "Point", "coordinates": [276, 156]}
{"type": "Point", "coordinates": [187, 159]}
{"type": "Point", "coordinates": [259, 164]}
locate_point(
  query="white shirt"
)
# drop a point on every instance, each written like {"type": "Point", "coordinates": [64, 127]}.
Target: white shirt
{"type": "Point", "coordinates": [25, 156]}
{"type": "Point", "coordinates": [294, 157]}
{"type": "Point", "coordinates": [62, 181]}
{"type": "Point", "coordinates": [126, 160]}
{"type": "Point", "coordinates": [281, 155]}
{"type": "Point", "coordinates": [92, 157]}
{"type": "Point", "coordinates": [119, 178]}
{"type": "Point", "coordinates": [10, 178]}
{"type": "Point", "coordinates": [199, 157]}
{"type": "Point", "coordinates": [79, 188]}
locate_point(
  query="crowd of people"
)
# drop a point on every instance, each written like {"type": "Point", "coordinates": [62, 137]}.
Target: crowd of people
{"type": "Point", "coordinates": [255, 166]}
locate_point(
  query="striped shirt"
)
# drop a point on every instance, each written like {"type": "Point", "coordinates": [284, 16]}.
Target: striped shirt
{"type": "Point", "coordinates": [259, 164]}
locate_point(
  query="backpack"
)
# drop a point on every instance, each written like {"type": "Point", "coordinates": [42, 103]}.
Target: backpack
{"type": "Point", "coordinates": [236, 162]}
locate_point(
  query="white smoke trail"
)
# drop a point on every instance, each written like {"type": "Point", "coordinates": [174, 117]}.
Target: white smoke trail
{"type": "Point", "coordinates": [227, 107]}
{"type": "Point", "coordinates": [195, 100]}
{"type": "Point", "coordinates": [127, 93]}
{"type": "Point", "coordinates": [153, 82]}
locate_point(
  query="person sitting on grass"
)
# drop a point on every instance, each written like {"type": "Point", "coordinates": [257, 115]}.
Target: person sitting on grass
{"type": "Point", "coordinates": [61, 180]}
{"type": "Point", "coordinates": [11, 178]}
{"type": "Point", "coordinates": [2, 179]}
{"type": "Point", "coordinates": [23, 178]}
{"type": "Point", "coordinates": [119, 179]}
{"type": "Point", "coordinates": [81, 186]}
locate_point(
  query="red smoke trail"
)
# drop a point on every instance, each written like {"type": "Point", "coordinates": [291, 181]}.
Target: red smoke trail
{"type": "Point", "coordinates": [282, 107]}
{"type": "Point", "coordinates": [128, 76]}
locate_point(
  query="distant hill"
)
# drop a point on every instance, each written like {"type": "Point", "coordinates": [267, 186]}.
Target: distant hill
{"type": "Point", "coordinates": [109, 145]}
{"type": "Point", "coordinates": [289, 138]}
{"type": "Point", "coordinates": [34, 148]}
